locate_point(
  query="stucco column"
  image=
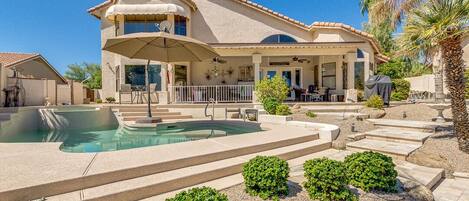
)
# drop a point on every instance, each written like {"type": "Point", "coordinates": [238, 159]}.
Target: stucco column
{"type": "Point", "coordinates": [256, 60]}
{"type": "Point", "coordinates": [163, 95]}
{"type": "Point", "coordinates": [321, 61]}
{"type": "Point", "coordinates": [367, 66]}
{"type": "Point", "coordinates": [351, 92]}
{"type": "Point", "coordinates": [339, 74]}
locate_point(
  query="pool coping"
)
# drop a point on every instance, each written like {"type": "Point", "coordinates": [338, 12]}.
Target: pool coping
{"type": "Point", "coordinates": [28, 165]}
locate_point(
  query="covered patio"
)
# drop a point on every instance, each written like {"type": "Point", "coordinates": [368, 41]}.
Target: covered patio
{"type": "Point", "coordinates": [315, 72]}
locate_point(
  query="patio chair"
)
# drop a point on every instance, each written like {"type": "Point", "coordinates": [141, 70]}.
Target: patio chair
{"type": "Point", "coordinates": [126, 89]}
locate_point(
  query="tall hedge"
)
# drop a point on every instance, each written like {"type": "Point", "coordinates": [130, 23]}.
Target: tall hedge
{"type": "Point", "coordinates": [401, 90]}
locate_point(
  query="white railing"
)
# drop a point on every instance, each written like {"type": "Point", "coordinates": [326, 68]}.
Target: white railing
{"type": "Point", "coordinates": [203, 94]}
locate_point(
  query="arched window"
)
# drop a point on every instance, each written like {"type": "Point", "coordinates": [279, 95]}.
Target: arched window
{"type": "Point", "coordinates": [360, 54]}
{"type": "Point", "coordinates": [279, 38]}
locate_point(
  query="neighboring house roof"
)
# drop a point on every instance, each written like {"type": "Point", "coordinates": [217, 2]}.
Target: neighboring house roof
{"type": "Point", "coordinates": [11, 59]}
{"type": "Point", "coordinates": [316, 25]}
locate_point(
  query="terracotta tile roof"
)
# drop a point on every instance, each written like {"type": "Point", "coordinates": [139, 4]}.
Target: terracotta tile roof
{"type": "Point", "coordinates": [297, 23]}
{"type": "Point", "coordinates": [274, 13]}
{"type": "Point", "coordinates": [9, 58]}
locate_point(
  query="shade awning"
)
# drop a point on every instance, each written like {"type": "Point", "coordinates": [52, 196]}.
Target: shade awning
{"type": "Point", "coordinates": [146, 9]}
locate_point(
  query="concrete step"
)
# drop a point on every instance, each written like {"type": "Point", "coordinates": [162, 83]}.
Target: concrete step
{"type": "Point", "coordinates": [126, 114]}
{"type": "Point", "coordinates": [164, 182]}
{"type": "Point", "coordinates": [155, 164]}
{"type": "Point", "coordinates": [163, 117]}
{"type": "Point", "coordinates": [421, 126]}
{"type": "Point", "coordinates": [394, 149]}
{"type": "Point", "coordinates": [452, 190]}
{"type": "Point", "coordinates": [424, 175]}
{"type": "Point", "coordinates": [141, 109]}
{"type": "Point", "coordinates": [398, 135]}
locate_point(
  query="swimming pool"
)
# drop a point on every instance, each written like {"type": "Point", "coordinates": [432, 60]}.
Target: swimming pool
{"type": "Point", "coordinates": [113, 139]}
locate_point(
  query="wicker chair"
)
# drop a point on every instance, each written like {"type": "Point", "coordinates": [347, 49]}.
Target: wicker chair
{"type": "Point", "coordinates": [126, 89]}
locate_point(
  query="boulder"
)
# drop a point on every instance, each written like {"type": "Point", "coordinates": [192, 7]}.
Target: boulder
{"type": "Point", "coordinates": [416, 190]}
{"type": "Point", "coordinates": [373, 113]}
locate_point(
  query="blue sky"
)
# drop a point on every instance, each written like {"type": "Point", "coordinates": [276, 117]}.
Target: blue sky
{"type": "Point", "coordinates": [65, 33]}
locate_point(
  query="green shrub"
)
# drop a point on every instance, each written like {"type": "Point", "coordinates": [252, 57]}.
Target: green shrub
{"type": "Point", "coordinates": [99, 101]}
{"type": "Point", "coordinates": [371, 171]}
{"type": "Point", "coordinates": [327, 180]}
{"type": "Point", "coordinates": [266, 177]}
{"type": "Point", "coordinates": [110, 100]}
{"type": "Point", "coordinates": [311, 114]}
{"type": "Point", "coordinates": [375, 101]}
{"type": "Point", "coordinates": [401, 90]}
{"type": "Point", "coordinates": [283, 110]}
{"type": "Point", "coordinates": [394, 69]}
{"type": "Point", "coordinates": [270, 105]}
{"type": "Point", "coordinates": [275, 88]}
{"type": "Point", "coordinates": [199, 194]}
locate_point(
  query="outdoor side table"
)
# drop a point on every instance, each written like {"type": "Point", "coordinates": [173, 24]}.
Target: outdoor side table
{"type": "Point", "coordinates": [247, 112]}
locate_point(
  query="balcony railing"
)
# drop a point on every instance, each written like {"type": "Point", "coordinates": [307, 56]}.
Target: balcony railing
{"type": "Point", "coordinates": [220, 93]}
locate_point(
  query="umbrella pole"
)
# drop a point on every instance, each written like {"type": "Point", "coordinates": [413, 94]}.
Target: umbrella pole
{"type": "Point", "coordinates": [147, 82]}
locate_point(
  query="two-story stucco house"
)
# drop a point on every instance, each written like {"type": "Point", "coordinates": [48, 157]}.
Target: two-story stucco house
{"type": "Point", "coordinates": [254, 43]}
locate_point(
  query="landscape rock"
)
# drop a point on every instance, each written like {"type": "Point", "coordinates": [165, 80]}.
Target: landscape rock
{"type": "Point", "coordinates": [373, 113]}
{"type": "Point", "coordinates": [416, 190]}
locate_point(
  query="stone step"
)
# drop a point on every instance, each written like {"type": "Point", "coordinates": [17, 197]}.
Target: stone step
{"type": "Point", "coordinates": [163, 117]}
{"type": "Point", "coordinates": [126, 114]}
{"type": "Point", "coordinates": [424, 175]}
{"type": "Point", "coordinates": [452, 190]}
{"type": "Point", "coordinates": [141, 109]}
{"type": "Point", "coordinates": [164, 182]}
{"type": "Point", "coordinates": [396, 150]}
{"type": "Point", "coordinates": [398, 135]}
{"type": "Point", "coordinates": [422, 126]}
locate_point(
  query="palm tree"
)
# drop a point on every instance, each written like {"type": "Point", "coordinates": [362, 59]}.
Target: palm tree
{"type": "Point", "coordinates": [443, 23]}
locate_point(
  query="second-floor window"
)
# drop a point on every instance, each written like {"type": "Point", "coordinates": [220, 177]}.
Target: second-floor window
{"type": "Point", "coordinates": [180, 25]}
{"type": "Point", "coordinates": [142, 23]}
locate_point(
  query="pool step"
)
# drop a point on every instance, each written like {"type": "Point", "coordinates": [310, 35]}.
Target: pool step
{"type": "Point", "coordinates": [141, 109]}
{"type": "Point", "coordinates": [126, 114]}
{"type": "Point", "coordinates": [163, 117]}
{"type": "Point", "coordinates": [106, 170]}
{"type": "Point", "coordinates": [164, 182]}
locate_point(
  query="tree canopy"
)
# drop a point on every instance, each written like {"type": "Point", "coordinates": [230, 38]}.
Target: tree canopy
{"type": "Point", "coordinates": [88, 73]}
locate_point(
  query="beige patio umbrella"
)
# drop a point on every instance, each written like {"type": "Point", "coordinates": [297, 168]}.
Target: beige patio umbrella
{"type": "Point", "coordinates": [159, 46]}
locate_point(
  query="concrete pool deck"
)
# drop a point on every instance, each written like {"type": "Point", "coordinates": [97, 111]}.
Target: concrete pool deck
{"type": "Point", "coordinates": [35, 170]}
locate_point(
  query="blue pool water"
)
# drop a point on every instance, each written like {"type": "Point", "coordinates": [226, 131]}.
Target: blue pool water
{"type": "Point", "coordinates": [112, 139]}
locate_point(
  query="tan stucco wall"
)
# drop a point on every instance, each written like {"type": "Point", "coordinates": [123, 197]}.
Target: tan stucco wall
{"type": "Point", "coordinates": [224, 21]}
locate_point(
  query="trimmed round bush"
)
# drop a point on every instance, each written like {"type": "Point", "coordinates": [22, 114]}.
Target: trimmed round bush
{"type": "Point", "coordinates": [371, 171]}
{"type": "Point", "coordinates": [326, 180]}
{"type": "Point", "coordinates": [270, 105]}
{"type": "Point", "coordinates": [266, 177]}
{"type": "Point", "coordinates": [199, 194]}
{"type": "Point", "coordinates": [283, 110]}
{"type": "Point", "coordinates": [401, 90]}
{"type": "Point", "coordinates": [375, 101]}
{"type": "Point", "coordinates": [99, 101]}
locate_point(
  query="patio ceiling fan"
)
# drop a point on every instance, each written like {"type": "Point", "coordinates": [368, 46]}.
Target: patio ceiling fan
{"type": "Point", "coordinates": [301, 60]}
